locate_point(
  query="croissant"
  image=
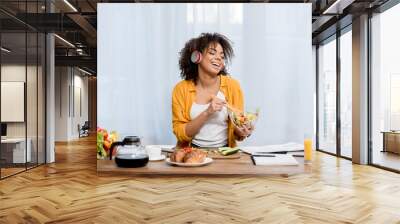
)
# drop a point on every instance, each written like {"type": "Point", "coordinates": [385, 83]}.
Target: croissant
{"type": "Point", "coordinates": [178, 155]}
{"type": "Point", "coordinates": [188, 155]}
{"type": "Point", "coordinates": [194, 157]}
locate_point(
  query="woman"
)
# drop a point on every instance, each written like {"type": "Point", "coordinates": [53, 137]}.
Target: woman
{"type": "Point", "coordinates": [199, 114]}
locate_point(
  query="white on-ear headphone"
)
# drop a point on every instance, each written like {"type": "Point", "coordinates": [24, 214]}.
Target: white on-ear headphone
{"type": "Point", "coordinates": [196, 57]}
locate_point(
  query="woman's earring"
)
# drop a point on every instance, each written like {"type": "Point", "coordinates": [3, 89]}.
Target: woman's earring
{"type": "Point", "coordinates": [196, 57]}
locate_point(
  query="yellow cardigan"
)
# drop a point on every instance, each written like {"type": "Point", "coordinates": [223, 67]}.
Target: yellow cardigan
{"type": "Point", "coordinates": [183, 97]}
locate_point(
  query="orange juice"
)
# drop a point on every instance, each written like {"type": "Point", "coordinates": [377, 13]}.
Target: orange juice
{"type": "Point", "coordinates": [307, 150]}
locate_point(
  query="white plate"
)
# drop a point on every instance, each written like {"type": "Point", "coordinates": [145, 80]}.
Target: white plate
{"type": "Point", "coordinates": [157, 158]}
{"type": "Point", "coordinates": [207, 160]}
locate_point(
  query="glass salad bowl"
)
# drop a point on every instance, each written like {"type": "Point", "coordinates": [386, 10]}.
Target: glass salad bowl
{"type": "Point", "coordinates": [242, 118]}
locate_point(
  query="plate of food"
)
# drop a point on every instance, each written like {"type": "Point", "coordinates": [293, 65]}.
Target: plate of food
{"type": "Point", "coordinates": [188, 157]}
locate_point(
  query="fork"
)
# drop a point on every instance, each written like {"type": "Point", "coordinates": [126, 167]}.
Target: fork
{"type": "Point", "coordinates": [227, 105]}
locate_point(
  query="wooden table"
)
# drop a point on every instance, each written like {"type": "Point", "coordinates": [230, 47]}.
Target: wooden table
{"type": "Point", "coordinates": [219, 167]}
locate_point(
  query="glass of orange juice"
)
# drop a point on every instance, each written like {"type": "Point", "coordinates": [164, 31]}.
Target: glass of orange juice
{"type": "Point", "coordinates": [307, 148]}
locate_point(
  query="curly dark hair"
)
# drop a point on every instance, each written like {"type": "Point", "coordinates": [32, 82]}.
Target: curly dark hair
{"type": "Point", "coordinates": [189, 70]}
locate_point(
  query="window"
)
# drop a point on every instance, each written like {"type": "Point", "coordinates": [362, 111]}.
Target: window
{"type": "Point", "coordinates": [346, 94]}
{"type": "Point", "coordinates": [327, 96]}
{"type": "Point", "coordinates": [395, 101]}
{"type": "Point", "coordinates": [22, 65]}
{"type": "Point", "coordinates": [385, 91]}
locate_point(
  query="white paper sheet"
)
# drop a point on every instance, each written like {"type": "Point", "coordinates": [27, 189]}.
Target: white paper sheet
{"type": "Point", "coordinates": [288, 147]}
{"type": "Point", "coordinates": [278, 160]}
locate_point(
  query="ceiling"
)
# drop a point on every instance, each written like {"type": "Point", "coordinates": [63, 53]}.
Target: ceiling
{"type": "Point", "coordinates": [76, 22]}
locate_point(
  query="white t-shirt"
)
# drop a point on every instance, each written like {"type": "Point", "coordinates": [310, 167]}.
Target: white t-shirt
{"type": "Point", "coordinates": [214, 133]}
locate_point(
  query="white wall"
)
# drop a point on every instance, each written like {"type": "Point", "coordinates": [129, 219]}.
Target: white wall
{"type": "Point", "coordinates": [61, 103]}
{"type": "Point", "coordinates": [138, 49]}
{"type": "Point", "coordinates": [14, 73]}
{"type": "Point", "coordinates": [68, 81]}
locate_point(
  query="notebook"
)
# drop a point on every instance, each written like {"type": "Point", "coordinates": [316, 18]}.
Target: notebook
{"type": "Point", "coordinates": [275, 160]}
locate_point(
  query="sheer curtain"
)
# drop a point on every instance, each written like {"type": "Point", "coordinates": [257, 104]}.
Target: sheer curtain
{"type": "Point", "coordinates": [138, 51]}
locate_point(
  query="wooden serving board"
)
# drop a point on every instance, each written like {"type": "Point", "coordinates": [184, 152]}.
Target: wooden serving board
{"type": "Point", "coordinates": [212, 153]}
{"type": "Point", "coordinates": [216, 155]}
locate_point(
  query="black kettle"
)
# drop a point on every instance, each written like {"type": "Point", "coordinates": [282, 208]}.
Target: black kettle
{"type": "Point", "coordinates": [130, 152]}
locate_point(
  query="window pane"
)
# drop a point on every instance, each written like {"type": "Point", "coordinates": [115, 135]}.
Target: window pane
{"type": "Point", "coordinates": [32, 88]}
{"type": "Point", "coordinates": [346, 93]}
{"type": "Point", "coordinates": [31, 100]}
{"type": "Point", "coordinates": [327, 96]}
{"type": "Point", "coordinates": [386, 88]}
{"type": "Point", "coordinates": [41, 98]}
{"type": "Point", "coordinates": [13, 85]}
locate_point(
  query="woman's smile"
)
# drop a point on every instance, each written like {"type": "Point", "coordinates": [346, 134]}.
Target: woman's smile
{"type": "Point", "coordinates": [217, 66]}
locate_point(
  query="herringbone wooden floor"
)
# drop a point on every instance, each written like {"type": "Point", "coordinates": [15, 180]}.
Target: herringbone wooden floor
{"type": "Point", "coordinates": [69, 191]}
